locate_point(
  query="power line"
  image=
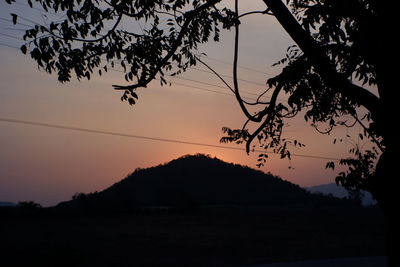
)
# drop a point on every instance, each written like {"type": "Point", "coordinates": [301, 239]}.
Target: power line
{"type": "Point", "coordinates": [176, 77]}
{"type": "Point", "coordinates": [177, 83]}
{"type": "Point", "coordinates": [208, 57]}
{"type": "Point", "coordinates": [211, 84]}
{"type": "Point", "coordinates": [182, 78]}
{"type": "Point", "coordinates": [201, 82]}
{"type": "Point", "coordinates": [63, 127]}
{"type": "Point", "coordinates": [209, 90]}
{"type": "Point", "coordinates": [205, 89]}
{"type": "Point", "coordinates": [87, 130]}
{"type": "Point", "coordinates": [11, 36]}
{"type": "Point", "coordinates": [214, 85]}
{"type": "Point", "coordinates": [13, 29]}
{"type": "Point", "coordinates": [7, 45]}
{"type": "Point", "coordinates": [202, 88]}
{"type": "Point", "coordinates": [240, 66]}
{"type": "Point", "coordinates": [38, 9]}
{"type": "Point", "coordinates": [20, 23]}
{"type": "Point", "coordinates": [227, 76]}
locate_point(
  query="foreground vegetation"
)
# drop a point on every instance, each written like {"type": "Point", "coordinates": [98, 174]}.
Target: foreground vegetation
{"type": "Point", "coordinates": [205, 237]}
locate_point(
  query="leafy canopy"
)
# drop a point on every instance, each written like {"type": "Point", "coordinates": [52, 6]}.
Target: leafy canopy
{"type": "Point", "coordinates": [336, 46]}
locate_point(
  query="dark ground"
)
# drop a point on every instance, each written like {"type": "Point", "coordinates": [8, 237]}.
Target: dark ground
{"type": "Point", "coordinates": [202, 238]}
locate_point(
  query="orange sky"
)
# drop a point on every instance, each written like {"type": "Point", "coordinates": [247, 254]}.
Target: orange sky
{"type": "Point", "coordinates": [50, 165]}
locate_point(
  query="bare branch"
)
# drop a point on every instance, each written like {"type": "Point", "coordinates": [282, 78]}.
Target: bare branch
{"type": "Point", "coordinates": [269, 111]}
{"type": "Point", "coordinates": [235, 67]}
{"type": "Point", "coordinates": [267, 12]}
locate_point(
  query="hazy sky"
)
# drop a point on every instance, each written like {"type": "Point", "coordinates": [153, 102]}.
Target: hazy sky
{"type": "Point", "coordinates": [49, 165]}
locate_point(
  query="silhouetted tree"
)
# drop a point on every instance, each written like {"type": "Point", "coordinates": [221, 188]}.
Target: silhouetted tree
{"type": "Point", "coordinates": [341, 46]}
{"type": "Point", "coordinates": [29, 205]}
{"type": "Point", "coordinates": [29, 208]}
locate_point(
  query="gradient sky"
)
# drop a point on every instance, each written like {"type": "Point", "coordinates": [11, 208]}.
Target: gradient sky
{"type": "Point", "coordinates": [50, 165]}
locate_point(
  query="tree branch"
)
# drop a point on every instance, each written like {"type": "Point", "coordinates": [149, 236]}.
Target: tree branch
{"type": "Point", "coordinates": [132, 15]}
{"type": "Point", "coordinates": [235, 67]}
{"type": "Point", "coordinates": [319, 59]}
{"type": "Point", "coordinates": [255, 12]}
{"type": "Point", "coordinates": [91, 40]}
{"type": "Point", "coordinates": [372, 136]}
{"type": "Point", "coordinates": [189, 16]}
{"type": "Point", "coordinates": [269, 112]}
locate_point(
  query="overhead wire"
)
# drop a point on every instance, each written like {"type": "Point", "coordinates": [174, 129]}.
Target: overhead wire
{"type": "Point", "coordinates": [40, 124]}
{"type": "Point", "coordinates": [11, 36]}
{"type": "Point", "coordinates": [194, 68]}
{"type": "Point", "coordinates": [177, 141]}
{"type": "Point", "coordinates": [227, 76]}
{"type": "Point", "coordinates": [177, 77]}
{"type": "Point", "coordinates": [240, 66]}
{"type": "Point", "coordinates": [7, 45]}
{"type": "Point", "coordinates": [200, 88]}
{"type": "Point", "coordinates": [20, 23]}
{"type": "Point", "coordinates": [153, 138]}
{"type": "Point", "coordinates": [35, 8]}
{"type": "Point", "coordinates": [174, 82]}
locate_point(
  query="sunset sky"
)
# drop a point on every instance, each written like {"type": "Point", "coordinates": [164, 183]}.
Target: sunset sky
{"type": "Point", "coordinates": [49, 165]}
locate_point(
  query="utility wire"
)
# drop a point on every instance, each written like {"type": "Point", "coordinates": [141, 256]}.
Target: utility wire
{"type": "Point", "coordinates": [11, 36]}
{"type": "Point", "coordinates": [228, 76]}
{"type": "Point", "coordinates": [20, 23]}
{"type": "Point", "coordinates": [177, 83]}
{"type": "Point", "coordinates": [199, 88]}
{"type": "Point", "coordinates": [177, 77]}
{"type": "Point", "coordinates": [7, 45]}
{"type": "Point", "coordinates": [208, 57]}
{"type": "Point", "coordinates": [79, 129]}
{"type": "Point", "coordinates": [240, 66]}
{"type": "Point", "coordinates": [181, 78]}
{"type": "Point", "coordinates": [35, 8]}
{"type": "Point", "coordinates": [202, 88]}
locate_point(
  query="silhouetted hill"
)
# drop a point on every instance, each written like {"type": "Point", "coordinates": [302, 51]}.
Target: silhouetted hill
{"type": "Point", "coordinates": [339, 192]}
{"type": "Point", "coordinates": [7, 204]}
{"type": "Point", "coordinates": [198, 180]}
{"type": "Point", "coordinates": [289, 223]}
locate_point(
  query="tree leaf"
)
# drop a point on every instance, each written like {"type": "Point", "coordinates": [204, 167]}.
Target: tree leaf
{"type": "Point", "coordinates": [14, 18]}
{"type": "Point", "coordinates": [131, 101]}
{"type": "Point", "coordinates": [23, 49]}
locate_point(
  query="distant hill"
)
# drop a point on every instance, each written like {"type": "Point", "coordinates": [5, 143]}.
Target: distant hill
{"type": "Point", "coordinates": [199, 180]}
{"type": "Point", "coordinates": [339, 192]}
{"type": "Point", "coordinates": [7, 204]}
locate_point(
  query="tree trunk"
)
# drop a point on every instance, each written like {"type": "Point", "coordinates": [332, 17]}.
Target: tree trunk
{"type": "Point", "coordinates": [387, 171]}
{"type": "Point", "coordinates": [383, 109]}
{"type": "Point", "coordinates": [385, 191]}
